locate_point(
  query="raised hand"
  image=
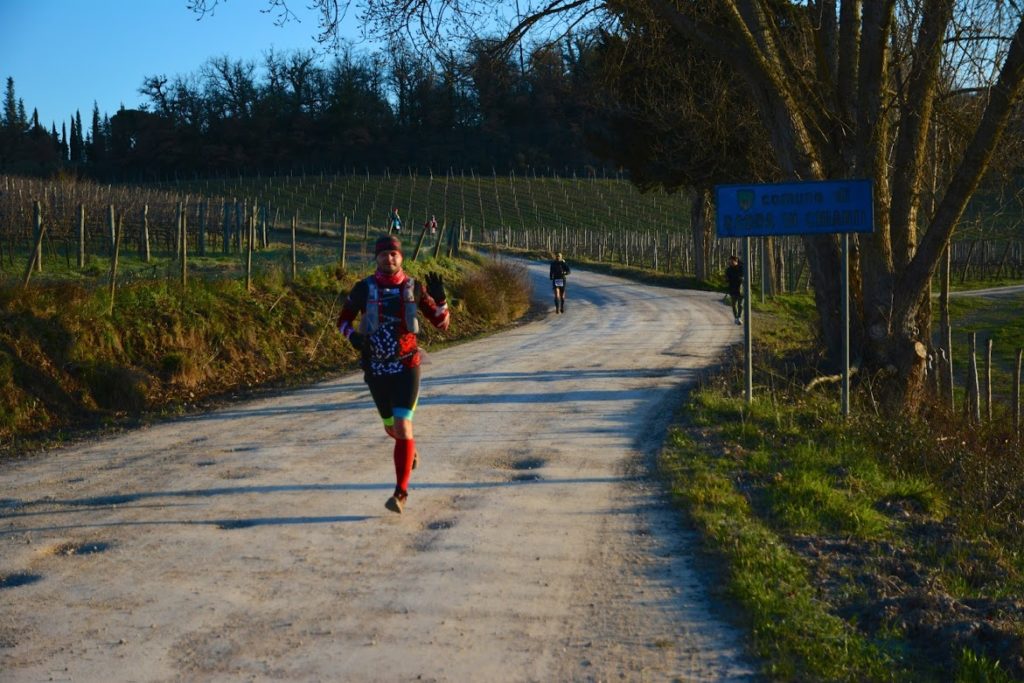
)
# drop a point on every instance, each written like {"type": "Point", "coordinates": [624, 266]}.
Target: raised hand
{"type": "Point", "coordinates": [435, 287]}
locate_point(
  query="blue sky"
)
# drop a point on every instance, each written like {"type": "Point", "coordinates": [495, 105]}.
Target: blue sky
{"type": "Point", "coordinates": [65, 54]}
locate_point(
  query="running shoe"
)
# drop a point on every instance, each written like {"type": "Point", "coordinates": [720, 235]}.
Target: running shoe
{"type": "Point", "coordinates": [396, 503]}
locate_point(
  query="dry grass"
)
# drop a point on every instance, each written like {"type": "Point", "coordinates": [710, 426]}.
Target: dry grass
{"type": "Point", "coordinates": [498, 292]}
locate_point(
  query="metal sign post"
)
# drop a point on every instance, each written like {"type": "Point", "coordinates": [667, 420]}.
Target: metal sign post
{"type": "Point", "coordinates": [748, 354]}
{"type": "Point", "coordinates": [845, 267]}
{"type": "Point", "coordinates": [800, 208]}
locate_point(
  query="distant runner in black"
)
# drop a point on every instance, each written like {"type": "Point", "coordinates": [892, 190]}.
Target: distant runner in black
{"type": "Point", "coordinates": [734, 277]}
{"type": "Point", "coordinates": [559, 271]}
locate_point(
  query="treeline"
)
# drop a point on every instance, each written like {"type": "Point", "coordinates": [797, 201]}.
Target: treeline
{"type": "Point", "coordinates": [296, 111]}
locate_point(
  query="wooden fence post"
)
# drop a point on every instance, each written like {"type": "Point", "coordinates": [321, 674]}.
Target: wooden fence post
{"type": "Point", "coordinates": [179, 217]}
{"type": "Point", "coordinates": [145, 233]}
{"type": "Point", "coordinates": [366, 239]}
{"type": "Point", "coordinates": [201, 232]}
{"type": "Point", "coordinates": [112, 226]}
{"type": "Point", "coordinates": [250, 238]}
{"type": "Point", "coordinates": [265, 239]}
{"type": "Point", "coordinates": [184, 246]}
{"type": "Point", "coordinates": [344, 240]}
{"type": "Point", "coordinates": [973, 391]}
{"type": "Point", "coordinates": [437, 247]}
{"type": "Point", "coordinates": [225, 230]}
{"type": "Point", "coordinates": [81, 235]}
{"type": "Point", "coordinates": [419, 242]}
{"type": "Point", "coordinates": [456, 240]}
{"type": "Point", "coordinates": [1016, 392]}
{"type": "Point", "coordinates": [237, 238]}
{"type": "Point", "coordinates": [295, 268]}
{"type": "Point", "coordinates": [37, 248]}
{"type": "Point", "coordinates": [113, 261]}
{"type": "Point", "coordinates": [988, 380]}
{"type": "Point", "coordinates": [946, 328]}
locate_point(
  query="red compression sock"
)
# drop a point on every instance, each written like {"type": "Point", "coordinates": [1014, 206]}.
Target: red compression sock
{"type": "Point", "coordinates": [404, 450]}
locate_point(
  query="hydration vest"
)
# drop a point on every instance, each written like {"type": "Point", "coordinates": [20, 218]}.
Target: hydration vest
{"type": "Point", "coordinates": [371, 318]}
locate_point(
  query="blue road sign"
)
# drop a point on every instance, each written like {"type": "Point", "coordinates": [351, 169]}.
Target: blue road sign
{"type": "Point", "coordinates": [800, 208]}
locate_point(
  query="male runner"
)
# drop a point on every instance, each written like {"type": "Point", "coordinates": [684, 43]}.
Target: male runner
{"type": "Point", "coordinates": [388, 301]}
{"type": "Point", "coordinates": [734, 279]}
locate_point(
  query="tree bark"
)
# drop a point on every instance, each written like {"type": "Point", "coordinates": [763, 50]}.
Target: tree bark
{"type": "Point", "coordinates": [700, 228]}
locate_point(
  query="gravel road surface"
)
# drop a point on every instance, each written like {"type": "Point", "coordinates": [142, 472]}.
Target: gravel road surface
{"type": "Point", "coordinates": [252, 542]}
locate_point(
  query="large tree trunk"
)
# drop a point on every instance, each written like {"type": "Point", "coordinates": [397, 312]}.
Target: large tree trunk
{"type": "Point", "coordinates": [823, 258]}
{"type": "Point", "coordinates": [700, 227]}
{"type": "Point", "coordinates": [769, 279]}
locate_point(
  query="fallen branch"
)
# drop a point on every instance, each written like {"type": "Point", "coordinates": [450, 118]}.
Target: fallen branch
{"type": "Point", "coordinates": [829, 379]}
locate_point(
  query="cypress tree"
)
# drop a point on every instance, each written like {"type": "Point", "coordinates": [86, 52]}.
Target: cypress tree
{"type": "Point", "coordinates": [76, 139]}
{"type": "Point", "coordinates": [95, 149]}
{"type": "Point", "coordinates": [10, 114]}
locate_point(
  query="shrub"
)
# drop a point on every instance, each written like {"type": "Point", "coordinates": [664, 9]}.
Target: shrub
{"type": "Point", "coordinates": [499, 292]}
{"type": "Point", "coordinates": [116, 388]}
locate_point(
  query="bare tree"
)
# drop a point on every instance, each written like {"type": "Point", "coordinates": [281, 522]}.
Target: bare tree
{"type": "Point", "coordinates": [232, 85]}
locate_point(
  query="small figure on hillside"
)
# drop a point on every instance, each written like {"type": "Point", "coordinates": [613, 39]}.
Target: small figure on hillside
{"type": "Point", "coordinates": [431, 225]}
{"type": "Point", "coordinates": [396, 221]}
{"type": "Point", "coordinates": [734, 278]}
{"type": "Point", "coordinates": [390, 356]}
{"type": "Point", "coordinates": [559, 271]}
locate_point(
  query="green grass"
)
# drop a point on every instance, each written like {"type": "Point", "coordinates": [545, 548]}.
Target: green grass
{"type": "Point", "coordinates": [794, 634]}
{"type": "Point", "coordinates": [805, 510]}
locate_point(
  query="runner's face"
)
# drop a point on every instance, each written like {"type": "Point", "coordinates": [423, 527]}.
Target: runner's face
{"type": "Point", "coordinates": [389, 261]}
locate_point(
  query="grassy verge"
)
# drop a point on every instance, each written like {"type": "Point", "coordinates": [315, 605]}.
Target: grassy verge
{"type": "Point", "coordinates": [69, 363]}
{"type": "Point", "coordinates": [864, 550]}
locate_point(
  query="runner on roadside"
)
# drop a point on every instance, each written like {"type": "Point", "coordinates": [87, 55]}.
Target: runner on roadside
{"type": "Point", "coordinates": [390, 357]}
{"type": "Point", "coordinates": [559, 270]}
{"type": "Point", "coordinates": [734, 279]}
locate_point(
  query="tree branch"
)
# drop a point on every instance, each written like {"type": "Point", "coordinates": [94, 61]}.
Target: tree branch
{"type": "Point", "coordinates": [972, 167]}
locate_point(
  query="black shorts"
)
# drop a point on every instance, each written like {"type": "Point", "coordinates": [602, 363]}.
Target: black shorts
{"type": "Point", "coordinates": [395, 395]}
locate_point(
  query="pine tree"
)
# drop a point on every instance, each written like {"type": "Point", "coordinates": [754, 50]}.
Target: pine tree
{"type": "Point", "coordinates": [10, 114]}
{"type": "Point", "coordinates": [63, 142]}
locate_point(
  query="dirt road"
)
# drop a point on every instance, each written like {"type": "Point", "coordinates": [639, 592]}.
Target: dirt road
{"type": "Point", "coordinates": [252, 543]}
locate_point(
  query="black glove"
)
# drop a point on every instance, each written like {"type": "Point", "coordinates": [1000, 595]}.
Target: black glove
{"type": "Point", "coordinates": [356, 339]}
{"type": "Point", "coordinates": [435, 287]}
